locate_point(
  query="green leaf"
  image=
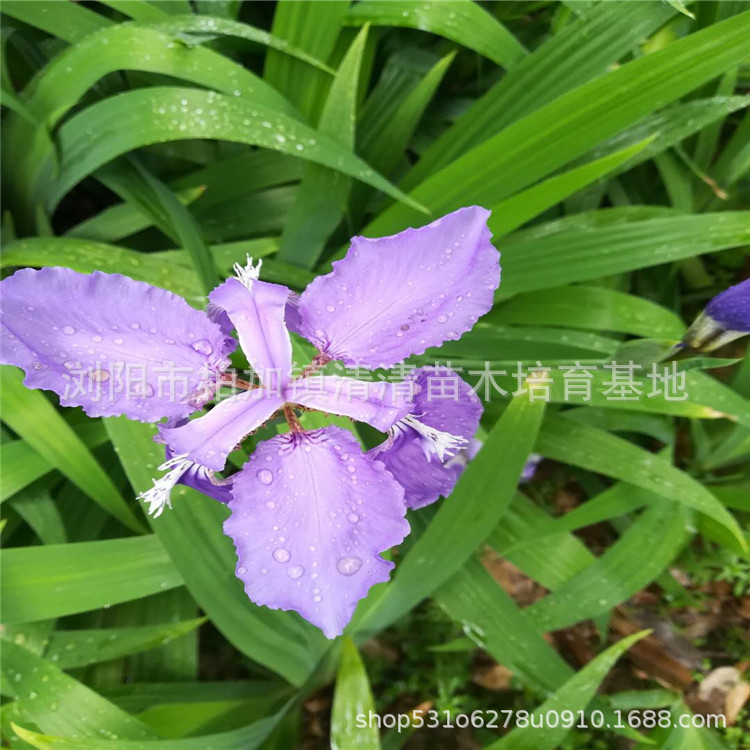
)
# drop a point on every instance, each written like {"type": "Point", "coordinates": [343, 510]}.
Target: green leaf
{"type": "Point", "coordinates": [573, 696]}
{"type": "Point", "coordinates": [141, 117]}
{"type": "Point", "coordinates": [186, 229]}
{"type": "Point", "coordinates": [550, 137]}
{"type": "Point", "coordinates": [40, 512]}
{"type": "Point", "coordinates": [352, 699]}
{"type": "Point", "coordinates": [321, 199]}
{"type": "Point", "coordinates": [516, 211]}
{"type": "Point", "coordinates": [68, 21]}
{"type": "Point", "coordinates": [464, 519]}
{"type": "Point", "coordinates": [591, 308]}
{"type": "Point", "coordinates": [79, 648]}
{"type": "Point", "coordinates": [568, 59]}
{"type": "Point", "coordinates": [57, 703]}
{"type": "Point", "coordinates": [629, 565]}
{"type": "Point", "coordinates": [461, 21]}
{"type": "Point", "coordinates": [61, 579]}
{"type": "Point", "coordinates": [597, 450]}
{"type": "Point", "coordinates": [314, 28]}
{"type": "Point", "coordinates": [582, 255]}
{"type": "Point", "coordinates": [33, 418]}
{"type": "Point", "coordinates": [494, 621]}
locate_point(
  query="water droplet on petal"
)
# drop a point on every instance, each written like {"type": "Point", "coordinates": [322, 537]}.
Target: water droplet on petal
{"type": "Point", "coordinates": [264, 476]}
{"type": "Point", "coordinates": [442, 318]}
{"type": "Point", "coordinates": [68, 330]}
{"type": "Point", "coordinates": [353, 518]}
{"type": "Point", "coordinates": [203, 347]}
{"type": "Point", "coordinates": [99, 375]}
{"type": "Point", "coordinates": [330, 308]}
{"type": "Point", "coordinates": [348, 566]}
{"type": "Point", "coordinates": [241, 571]}
{"type": "Point", "coordinates": [296, 571]}
{"type": "Point", "coordinates": [281, 555]}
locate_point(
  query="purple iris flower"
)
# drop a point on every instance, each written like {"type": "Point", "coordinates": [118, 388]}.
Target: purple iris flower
{"type": "Point", "coordinates": [310, 513]}
{"type": "Point", "coordinates": [726, 318]}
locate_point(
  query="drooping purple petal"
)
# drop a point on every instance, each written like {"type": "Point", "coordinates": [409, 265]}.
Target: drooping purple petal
{"type": "Point", "coordinates": [257, 313]}
{"type": "Point", "coordinates": [380, 404]}
{"type": "Point", "coordinates": [396, 296]}
{"type": "Point", "coordinates": [202, 479]}
{"type": "Point", "coordinates": [110, 344]}
{"type": "Point", "coordinates": [731, 308]}
{"type": "Point", "coordinates": [445, 402]}
{"type": "Point", "coordinates": [209, 439]}
{"type": "Point", "coordinates": [309, 517]}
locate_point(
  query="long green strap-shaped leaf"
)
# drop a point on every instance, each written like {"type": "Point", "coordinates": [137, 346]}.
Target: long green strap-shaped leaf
{"type": "Point", "coordinates": [464, 519]}
{"type": "Point", "coordinates": [68, 21]}
{"type": "Point", "coordinates": [629, 565]}
{"type": "Point", "coordinates": [583, 255]}
{"type": "Point", "coordinates": [78, 648]}
{"type": "Point", "coordinates": [596, 450]}
{"type": "Point", "coordinates": [550, 137]}
{"type": "Point", "coordinates": [516, 211]}
{"type": "Point", "coordinates": [590, 308]}
{"type": "Point", "coordinates": [573, 696]}
{"type": "Point", "coordinates": [33, 418]}
{"type": "Point", "coordinates": [59, 704]}
{"type": "Point", "coordinates": [186, 228]}
{"type": "Point", "coordinates": [191, 532]}
{"type": "Point", "coordinates": [496, 623]}
{"type": "Point", "coordinates": [62, 579]}
{"type": "Point", "coordinates": [568, 59]}
{"type": "Point", "coordinates": [352, 699]}
{"type": "Point", "coordinates": [321, 199]}
{"type": "Point", "coordinates": [461, 21]}
{"type": "Point", "coordinates": [314, 28]}
{"type": "Point", "coordinates": [141, 117]}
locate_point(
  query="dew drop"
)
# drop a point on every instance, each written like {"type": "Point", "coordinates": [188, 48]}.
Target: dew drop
{"type": "Point", "coordinates": [348, 566]}
{"type": "Point", "coordinates": [353, 518]}
{"type": "Point", "coordinates": [241, 571]}
{"type": "Point", "coordinates": [442, 318]}
{"type": "Point", "coordinates": [281, 555]}
{"type": "Point", "coordinates": [99, 375]}
{"type": "Point", "coordinates": [330, 308]}
{"type": "Point", "coordinates": [264, 476]}
{"type": "Point", "coordinates": [68, 330]}
{"type": "Point", "coordinates": [296, 571]}
{"type": "Point", "coordinates": [203, 347]}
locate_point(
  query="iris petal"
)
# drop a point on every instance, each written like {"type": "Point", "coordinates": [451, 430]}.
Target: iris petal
{"type": "Point", "coordinates": [209, 439]}
{"type": "Point", "coordinates": [309, 517]}
{"type": "Point", "coordinates": [110, 344]}
{"type": "Point", "coordinates": [379, 404]}
{"type": "Point", "coordinates": [445, 402]}
{"type": "Point", "coordinates": [396, 296]}
{"type": "Point", "coordinates": [257, 312]}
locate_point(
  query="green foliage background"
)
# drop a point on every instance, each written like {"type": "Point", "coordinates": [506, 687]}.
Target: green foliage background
{"type": "Point", "coordinates": [167, 140]}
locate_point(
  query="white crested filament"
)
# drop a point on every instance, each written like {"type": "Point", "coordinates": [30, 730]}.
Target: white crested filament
{"type": "Point", "coordinates": [248, 273]}
{"type": "Point", "coordinates": [442, 444]}
{"type": "Point", "coordinates": [158, 496]}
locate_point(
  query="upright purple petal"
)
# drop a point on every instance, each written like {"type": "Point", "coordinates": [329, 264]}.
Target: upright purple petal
{"type": "Point", "coordinates": [309, 518]}
{"type": "Point", "coordinates": [379, 404]}
{"type": "Point", "coordinates": [257, 312]}
{"type": "Point", "coordinates": [110, 344]}
{"type": "Point", "coordinates": [209, 439]}
{"type": "Point", "coordinates": [444, 402]}
{"type": "Point", "coordinates": [396, 296]}
{"type": "Point", "coordinates": [731, 308]}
